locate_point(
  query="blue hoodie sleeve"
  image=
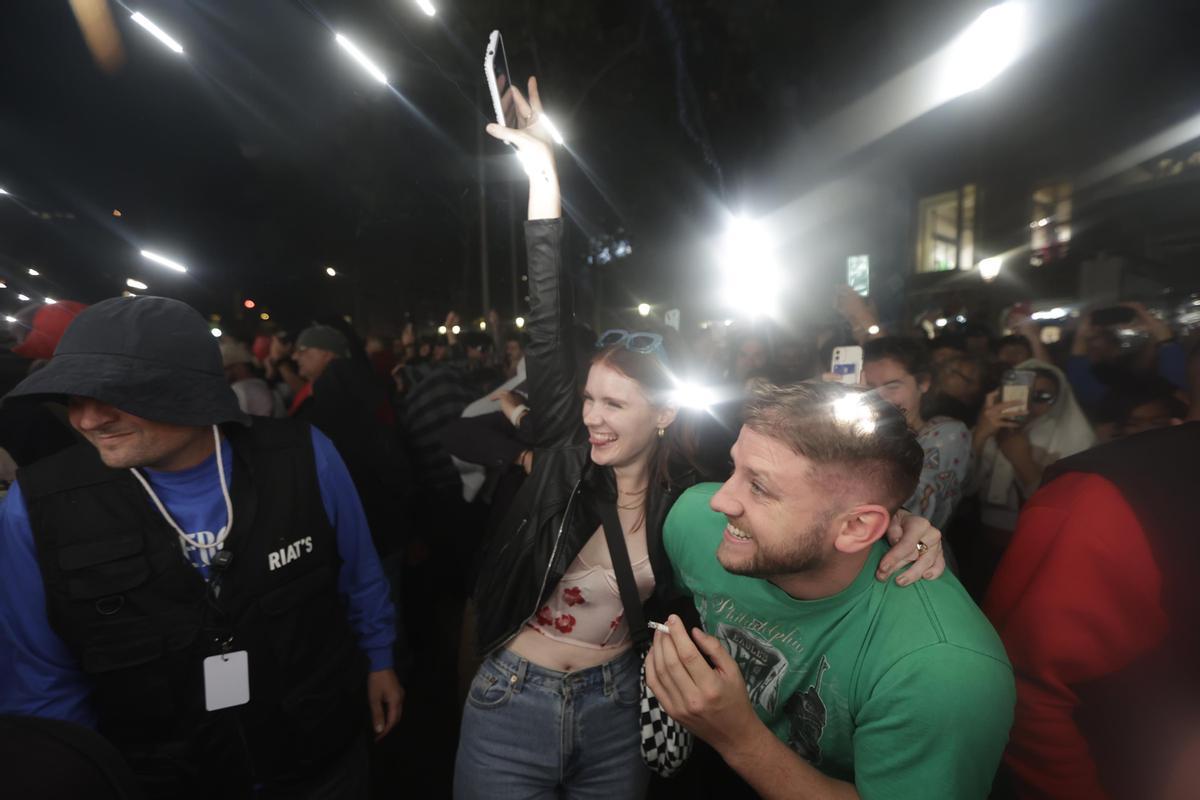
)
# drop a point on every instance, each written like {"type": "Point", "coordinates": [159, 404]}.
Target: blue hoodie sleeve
{"type": "Point", "coordinates": [39, 676]}
{"type": "Point", "coordinates": [361, 579]}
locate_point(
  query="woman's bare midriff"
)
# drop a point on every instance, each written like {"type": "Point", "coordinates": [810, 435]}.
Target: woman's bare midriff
{"type": "Point", "coordinates": [560, 656]}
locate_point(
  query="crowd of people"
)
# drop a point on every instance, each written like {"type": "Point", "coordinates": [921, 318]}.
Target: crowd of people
{"type": "Point", "coordinates": [226, 568]}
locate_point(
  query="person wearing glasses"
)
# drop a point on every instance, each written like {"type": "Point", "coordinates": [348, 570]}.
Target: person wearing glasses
{"type": "Point", "coordinates": [1012, 452]}
{"type": "Point", "coordinates": [553, 708]}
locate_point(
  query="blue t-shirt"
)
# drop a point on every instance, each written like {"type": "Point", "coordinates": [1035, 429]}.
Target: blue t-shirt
{"type": "Point", "coordinates": [40, 676]}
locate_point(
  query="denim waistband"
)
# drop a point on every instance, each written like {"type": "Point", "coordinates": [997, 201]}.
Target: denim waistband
{"type": "Point", "coordinates": [521, 672]}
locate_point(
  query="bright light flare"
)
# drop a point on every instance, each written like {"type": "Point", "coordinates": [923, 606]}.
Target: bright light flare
{"type": "Point", "coordinates": [50, 301]}
{"type": "Point", "coordinates": [441, 330]}
{"type": "Point", "coordinates": [644, 309]}
{"type": "Point", "coordinates": [456, 330]}
{"type": "Point", "coordinates": [552, 129]}
{"type": "Point", "coordinates": [135, 284]}
{"type": "Point", "coordinates": [873, 330]}
{"type": "Point", "coordinates": [24, 298]}
{"type": "Point", "coordinates": [217, 333]}
{"type": "Point", "coordinates": [752, 279]}
{"type": "Point", "coordinates": [520, 321]}
{"type": "Point", "coordinates": [33, 272]}
{"type": "Point", "coordinates": [3, 191]}
{"type": "Point", "coordinates": [989, 268]}
{"type": "Point", "coordinates": [427, 7]}
{"type": "Point", "coordinates": [264, 316]}
{"type": "Point", "coordinates": [163, 260]}
{"type": "Point", "coordinates": [358, 55]}
{"type": "Point", "coordinates": [157, 32]}
{"type": "Point", "coordinates": [694, 395]}
{"type": "Point", "coordinates": [331, 272]}
{"type": "Point", "coordinates": [10, 318]}
{"type": "Point", "coordinates": [849, 409]}
{"type": "Point", "coordinates": [986, 48]}
{"type": "Point", "coordinates": [1055, 313]}
{"type": "Point", "coordinates": [482, 325]}
{"type": "Point", "coordinates": [942, 322]}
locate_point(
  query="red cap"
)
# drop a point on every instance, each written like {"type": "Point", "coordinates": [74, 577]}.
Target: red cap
{"type": "Point", "coordinates": [49, 323]}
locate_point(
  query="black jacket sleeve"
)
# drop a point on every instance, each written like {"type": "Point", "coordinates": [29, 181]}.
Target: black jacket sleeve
{"type": "Point", "coordinates": [489, 440]}
{"type": "Point", "coordinates": [554, 402]}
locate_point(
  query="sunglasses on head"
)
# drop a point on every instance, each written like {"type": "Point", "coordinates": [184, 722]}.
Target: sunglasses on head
{"type": "Point", "coordinates": [642, 342]}
{"type": "Point", "coordinates": [1045, 398]}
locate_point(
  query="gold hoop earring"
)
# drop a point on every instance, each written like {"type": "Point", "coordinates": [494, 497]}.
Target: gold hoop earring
{"type": "Point", "coordinates": [662, 432]}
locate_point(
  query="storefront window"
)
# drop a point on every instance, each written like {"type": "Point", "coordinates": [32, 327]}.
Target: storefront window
{"type": "Point", "coordinates": [946, 235]}
{"type": "Point", "coordinates": [1050, 223]}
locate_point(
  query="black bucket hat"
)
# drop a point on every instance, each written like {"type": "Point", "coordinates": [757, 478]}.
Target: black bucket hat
{"type": "Point", "coordinates": [152, 357]}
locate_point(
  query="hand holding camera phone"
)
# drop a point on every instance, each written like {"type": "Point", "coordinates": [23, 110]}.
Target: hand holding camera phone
{"type": "Point", "coordinates": [1016, 386]}
{"type": "Point", "coordinates": [847, 364]}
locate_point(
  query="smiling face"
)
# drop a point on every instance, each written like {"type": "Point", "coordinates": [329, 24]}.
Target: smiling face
{"type": "Point", "coordinates": [898, 386]}
{"type": "Point", "coordinates": [780, 517]}
{"type": "Point", "coordinates": [622, 423]}
{"type": "Point", "coordinates": [125, 441]}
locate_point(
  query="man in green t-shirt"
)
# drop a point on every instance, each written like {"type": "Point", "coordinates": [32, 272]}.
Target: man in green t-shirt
{"type": "Point", "coordinates": [823, 681]}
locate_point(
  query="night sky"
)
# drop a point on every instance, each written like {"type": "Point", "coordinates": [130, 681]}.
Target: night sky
{"type": "Point", "coordinates": [265, 154]}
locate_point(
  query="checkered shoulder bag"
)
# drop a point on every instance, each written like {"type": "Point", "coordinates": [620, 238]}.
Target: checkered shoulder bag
{"type": "Point", "coordinates": [666, 744]}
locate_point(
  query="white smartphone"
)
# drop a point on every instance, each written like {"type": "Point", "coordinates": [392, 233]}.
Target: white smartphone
{"type": "Point", "coordinates": [499, 81]}
{"type": "Point", "coordinates": [847, 364]}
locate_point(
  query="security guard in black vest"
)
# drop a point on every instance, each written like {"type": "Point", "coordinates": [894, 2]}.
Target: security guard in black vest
{"type": "Point", "coordinates": [212, 601]}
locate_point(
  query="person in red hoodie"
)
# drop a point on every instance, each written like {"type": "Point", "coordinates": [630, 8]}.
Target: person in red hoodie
{"type": "Point", "coordinates": [1096, 603]}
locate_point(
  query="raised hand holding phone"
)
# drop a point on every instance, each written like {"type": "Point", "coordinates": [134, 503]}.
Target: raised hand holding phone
{"type": "Point", "coordinates": [535, 147]}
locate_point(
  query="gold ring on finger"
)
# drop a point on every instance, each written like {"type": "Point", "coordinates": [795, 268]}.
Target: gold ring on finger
{"type": "Point", "coordinates": [921, 548]}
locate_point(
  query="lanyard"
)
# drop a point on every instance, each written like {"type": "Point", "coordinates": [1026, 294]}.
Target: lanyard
{"type": "Point", "coordinates": [220, 540]}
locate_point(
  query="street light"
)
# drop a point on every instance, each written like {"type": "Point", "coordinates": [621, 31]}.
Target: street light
{"type": "Point", "coordinates": [441, 330]}
{"type": "Point", "coordinates": [986, 48]}
{"type": "Point", "coordinates": [358, 55]}
{"type": "Point", "coordinates": [24, 298]}
{"type": "Point", "coordinates": [482, 325]}
{"type": "Point", "coordinates": [753, 280]}
{"type": "Point", "coordinates": [33, 272]}
{"type": "Point", "coordinates": [264, 316]}
{"type": "Point", "coordinates": [217, 333]}
{"type": "Point", "coordinates": [135, 284]}
{"type": "Point", "coordinates": [331, 272]}
{"type": "Point", "coordinates": [520, 322]}
{"type": "Point", "coordinates": [427, 7]}
{"type": "Point", "coordinates": [456, 330]}
{"type": "Point", "coordinates": [157, 32]}
{"type": "Point", "coordinates": [644, 309]}
{"type": "Point", "coordinates": [989, 268]}
{"type": "Point", "coordinates": [164, 261]}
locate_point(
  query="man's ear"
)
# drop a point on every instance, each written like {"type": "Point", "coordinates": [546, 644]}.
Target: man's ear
{"type": "Point", "coordinates": [860, 528]}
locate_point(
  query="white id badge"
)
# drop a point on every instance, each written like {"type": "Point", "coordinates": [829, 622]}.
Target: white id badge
{"type": "Point", "coordinates": [226, 680]}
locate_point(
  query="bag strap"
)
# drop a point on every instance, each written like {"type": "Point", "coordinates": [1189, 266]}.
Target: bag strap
{"type": "Point", "coordinates": [623, 567]}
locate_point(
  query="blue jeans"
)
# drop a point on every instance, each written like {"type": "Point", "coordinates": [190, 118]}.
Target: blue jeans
{"type": "Point", "coordinates": [530, 732]}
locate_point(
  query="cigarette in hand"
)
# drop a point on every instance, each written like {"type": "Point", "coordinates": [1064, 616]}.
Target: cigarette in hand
{"type": "Point", "coordinates": [658, 626]}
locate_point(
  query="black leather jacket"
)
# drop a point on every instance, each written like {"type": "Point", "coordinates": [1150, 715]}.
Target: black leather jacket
{"type": "Point", "coordinates": [554, 514]}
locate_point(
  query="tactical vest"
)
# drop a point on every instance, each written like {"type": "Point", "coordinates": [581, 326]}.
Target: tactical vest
{"type": "Point", "coordinates": [141, 619]}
